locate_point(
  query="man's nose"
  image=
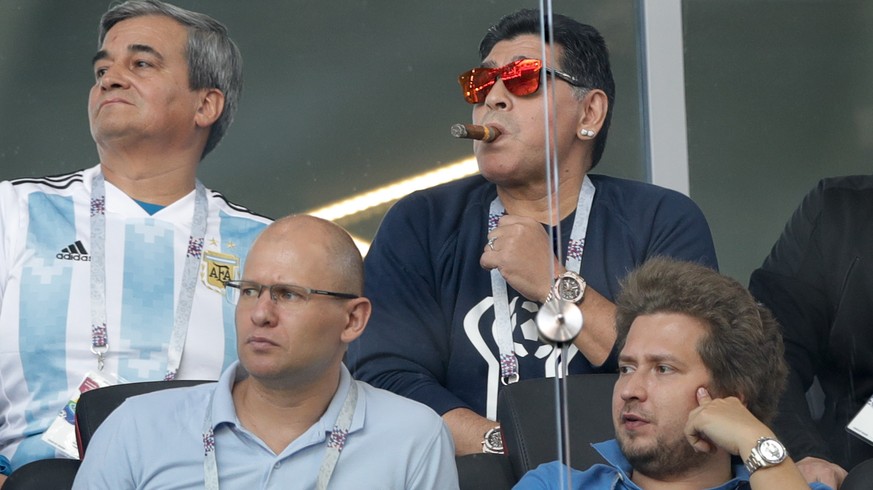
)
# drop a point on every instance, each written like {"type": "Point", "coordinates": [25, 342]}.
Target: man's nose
{"type": "Point", "coordinates": [633, 386]}
{"type": "Point", "coordinates": [114, 76]}
{"type": "Point", "coordinates": [264, 310]}
{"type": "Point", "coordinates": [498, 97]}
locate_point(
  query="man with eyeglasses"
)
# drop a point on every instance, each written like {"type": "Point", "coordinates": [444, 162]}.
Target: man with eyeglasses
{"type": "Point", "coordinates": [117, 272]}
{"type": "Point", "coordinates": [458, 272]}
{"type": "Point", "coordinates": [288, 414]}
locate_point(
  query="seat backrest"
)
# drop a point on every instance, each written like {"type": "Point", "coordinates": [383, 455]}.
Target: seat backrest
{"type": "Point", "coordinates": [526, 411]}
{"type": "Point", "coordinates": [44, 474]}
{"type": "Point", "coordinates": [479, 470]}
{"type": "Point", "coordinates": [95, 405]}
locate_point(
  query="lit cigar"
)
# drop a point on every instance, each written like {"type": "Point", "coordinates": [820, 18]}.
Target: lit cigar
{"type": "Point", "coordinates": [475, 132]}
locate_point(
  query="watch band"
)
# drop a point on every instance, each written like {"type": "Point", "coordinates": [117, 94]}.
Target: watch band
{"type": "Point", "coordinates": [753, 463]}
{"type": "Point", "coordinates": [766, 453]}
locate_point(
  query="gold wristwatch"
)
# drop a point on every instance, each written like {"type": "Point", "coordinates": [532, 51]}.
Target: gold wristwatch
{"type": "Point", "coordinates": [570, 287]}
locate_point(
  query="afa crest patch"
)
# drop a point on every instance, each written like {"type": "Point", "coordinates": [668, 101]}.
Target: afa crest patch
{"type": "Point", "coordinates": [217, 268]}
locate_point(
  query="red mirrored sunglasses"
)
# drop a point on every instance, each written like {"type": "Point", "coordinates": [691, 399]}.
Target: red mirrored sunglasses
{"type": "Point", "coordinates": [521, 77]}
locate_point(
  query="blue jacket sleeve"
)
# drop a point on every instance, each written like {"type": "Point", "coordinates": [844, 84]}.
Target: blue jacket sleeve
{"type": "Point", "coordinates": [406, 345]}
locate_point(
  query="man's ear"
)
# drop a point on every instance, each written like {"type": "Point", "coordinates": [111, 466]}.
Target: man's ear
{"type": "Point", "coordinates": [211, 107]}
{"type": "Point", "coordinates": [595, 105]}
{"type": "Point", "coordinates": [359, 310]}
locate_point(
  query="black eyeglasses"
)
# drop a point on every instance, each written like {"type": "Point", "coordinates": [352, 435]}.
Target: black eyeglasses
{"type": "Point", "coordinates": [248, 292]}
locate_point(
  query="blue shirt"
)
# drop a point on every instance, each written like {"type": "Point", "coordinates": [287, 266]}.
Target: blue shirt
{"type": "Point", "coordinates": [616, 475]}
{"type": "Point", "coordinates": [155, 441]}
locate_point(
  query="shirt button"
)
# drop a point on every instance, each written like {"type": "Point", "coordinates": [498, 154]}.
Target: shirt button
{"type": "Point", "coordinates": [277, 466]}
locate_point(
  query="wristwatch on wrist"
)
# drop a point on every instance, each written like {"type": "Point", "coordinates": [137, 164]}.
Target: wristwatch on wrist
{"type": "Point", "coordinates": [493, 441]}
{"type": "Point", "coordinates": [570, 287]}
{"type": "Point", "coordinates": [767, 452]}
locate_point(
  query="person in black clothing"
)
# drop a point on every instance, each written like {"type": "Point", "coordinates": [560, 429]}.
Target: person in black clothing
{"type": "Point", "coordinates": [818, 281]}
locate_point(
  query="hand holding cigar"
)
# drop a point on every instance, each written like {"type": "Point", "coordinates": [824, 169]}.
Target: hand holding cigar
{"type": "Point", "coordinates": [475, 132]}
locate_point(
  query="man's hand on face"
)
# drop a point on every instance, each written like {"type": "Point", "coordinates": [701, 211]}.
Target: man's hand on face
{"type": "Point", "coordinates": [520, 249]}
{"type": "Point", "coordinates": [723, 423]}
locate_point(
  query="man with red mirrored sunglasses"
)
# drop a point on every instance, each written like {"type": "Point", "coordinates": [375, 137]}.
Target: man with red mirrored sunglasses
{"type": "Point", "coordinates": [458, 272]}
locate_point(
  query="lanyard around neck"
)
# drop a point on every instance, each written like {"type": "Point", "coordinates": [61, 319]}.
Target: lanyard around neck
{"type": "Point", "coordinates": [503, 328]}
{"type": "Point", "coordinates": [99, 337]}
{"type": "Point", "coordinates": [335, 442]}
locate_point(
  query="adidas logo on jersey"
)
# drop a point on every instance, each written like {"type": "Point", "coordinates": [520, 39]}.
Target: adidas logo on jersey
{"type": "Point", "coordinates": [75, 251]}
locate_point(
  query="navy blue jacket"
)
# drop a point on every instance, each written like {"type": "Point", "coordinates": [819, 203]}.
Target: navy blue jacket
{"type": "Point", "coordinates": [430, 336]}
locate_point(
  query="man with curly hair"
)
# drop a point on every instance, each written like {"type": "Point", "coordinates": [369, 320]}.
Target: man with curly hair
{"type": "Point", "coordinates": [701, 368]}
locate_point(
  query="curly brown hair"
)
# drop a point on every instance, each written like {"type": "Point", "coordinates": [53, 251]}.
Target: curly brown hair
{"type": "Point", "coordinates": [743, 348]}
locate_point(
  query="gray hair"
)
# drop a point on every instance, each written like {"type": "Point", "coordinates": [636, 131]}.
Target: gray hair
{"type": "Point", "coordinates": [214, 61]}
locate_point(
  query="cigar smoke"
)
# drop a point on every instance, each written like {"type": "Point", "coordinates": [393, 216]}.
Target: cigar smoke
{"type": "Point", "coordinates": [475, 132]}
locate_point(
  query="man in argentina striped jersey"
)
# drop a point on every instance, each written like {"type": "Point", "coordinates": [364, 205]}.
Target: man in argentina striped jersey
{"type": "Point", "coordinates": [117, 272]}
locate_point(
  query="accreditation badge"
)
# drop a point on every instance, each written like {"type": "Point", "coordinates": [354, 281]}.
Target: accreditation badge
{"type": "Point", "coordinates": [862, 424]}
{"type": "Point", "coordinates": [217, 268]}
{"type": "Point", "coordinates": [62, 433]}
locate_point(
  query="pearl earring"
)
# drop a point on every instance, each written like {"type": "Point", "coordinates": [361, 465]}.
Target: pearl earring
{"type": "Point", "coordinates": [587, 132]}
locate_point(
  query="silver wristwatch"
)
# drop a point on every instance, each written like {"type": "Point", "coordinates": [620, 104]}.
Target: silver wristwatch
{"type": "Point", "coordinates": [493, 441]}
{"type": "Point", "coordinates": [767, 452]}
{"type": "Point", "coordinates": [570, 287]}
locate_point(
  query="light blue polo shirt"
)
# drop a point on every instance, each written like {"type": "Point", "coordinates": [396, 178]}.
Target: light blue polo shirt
{"type": "Point", "coordinates": [155, 441]}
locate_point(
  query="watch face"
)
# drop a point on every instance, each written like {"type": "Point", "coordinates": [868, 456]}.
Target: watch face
{"type": "Point", "coordinates": [493, 442]}
{"type": "Point", "coordinates": [569, 289]}
{"type": "Point", "coordinates": [772, 451]}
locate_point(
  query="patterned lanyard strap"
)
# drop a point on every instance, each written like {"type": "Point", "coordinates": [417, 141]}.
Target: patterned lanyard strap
{"type": "Point", "coordinates": [99, 337]}
{"type": "Point", "coordinates": [335, 442]}
{"type": "Point", "coordinates": [503, 328]}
